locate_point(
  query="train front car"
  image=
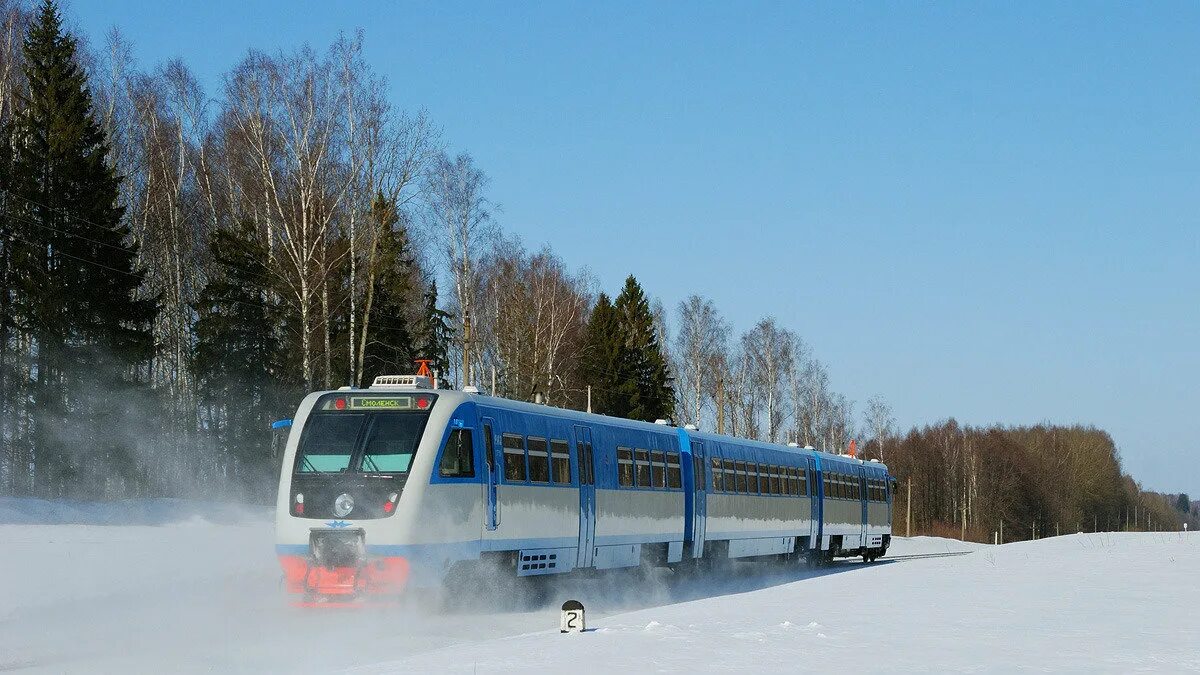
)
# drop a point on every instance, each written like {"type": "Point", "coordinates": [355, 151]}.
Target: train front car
{"type": "Point", "coordinates": [354, 471]}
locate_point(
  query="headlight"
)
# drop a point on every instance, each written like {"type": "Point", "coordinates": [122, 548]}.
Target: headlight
{"type": "Point", "coordinates": [343, 505]}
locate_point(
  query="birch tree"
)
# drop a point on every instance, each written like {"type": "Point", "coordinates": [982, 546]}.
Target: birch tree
{"type": "Point", "coordinates": [879, 421]}
{"type": "Point", "coordinates": [458, 218]}
{"type": "Point", "coordinates": [702, 338]}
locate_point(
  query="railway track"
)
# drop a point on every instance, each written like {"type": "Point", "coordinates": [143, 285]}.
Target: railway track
{"type": "Point", "coordinates": [918, 556]}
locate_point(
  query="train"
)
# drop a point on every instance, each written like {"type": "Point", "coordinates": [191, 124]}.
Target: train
{"type": "Point", "coordinates": [403, 485]}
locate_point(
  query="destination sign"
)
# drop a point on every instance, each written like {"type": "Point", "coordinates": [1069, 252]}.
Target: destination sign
{"type": "Point", "coordinates": [353, 402]}
{"type": "Point", "coordinates": [405, 403]}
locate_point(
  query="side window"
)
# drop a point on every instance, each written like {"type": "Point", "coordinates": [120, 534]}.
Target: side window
{"type": "Point", "coordinates": [560, 463]}
{"type": "Point", "coordinates": [775, 488]}
{"type": "Point", "coordinates": [674, 477]}
{"type": "Point", "coordinates": [718, 476]}
{"type": "Point", "coordinates": [804, 482]}
{"type": "Point", "coordinates": [489, 458]}
{"type": "Point", "coordinates": [642, 462]}
{"type": "Point", "coordinates": [514, 458]}
{"type": "Point", "coordinates": [539, 460]}
{"type": "Point", "coordinates": [658, 469]}
{"type": "Point", "coordinates": [625, 467]}
{"type": "Point", "coordinates": [740, 467]}
{"type": "Point", "coordinates": [458, 458]}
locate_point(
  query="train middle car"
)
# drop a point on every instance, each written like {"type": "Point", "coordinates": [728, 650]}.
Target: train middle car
{"type": "Point", "coordinates": [400, 485]}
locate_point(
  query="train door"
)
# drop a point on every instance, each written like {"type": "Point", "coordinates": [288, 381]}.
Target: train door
{"type": "Point", "coordinates": [817, 487]}
{"type": "Point", "coordinates": [699, 498]}
{"type": "Point", "coordinates": [493, 461]}
{"type": "Point", "coordinates": [586, 460]}
{"type": "Point", "coordinates": [862, 494]}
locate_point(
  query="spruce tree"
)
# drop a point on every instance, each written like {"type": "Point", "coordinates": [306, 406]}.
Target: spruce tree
{"type": "Point", "coordinates": [390, 339]}
{"type": "Point", "coordinates": [601, 359]}
{"type": "Point", "coordinates": [77, 295]}
{"type": "Point", "coordinates": [237, 354]}
{"type": "Point", "coordinates": [645, 379]}
{"type": "Point", "coordinates": [435, 341]}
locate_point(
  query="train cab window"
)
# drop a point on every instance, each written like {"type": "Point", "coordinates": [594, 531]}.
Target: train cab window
{"type": "Point", "coordinates": [539, 460]}
{"type": "Point", "coordinates": [658, 469]}
{"type": "Point", "coordinates": [514, 458]}
{"type": "Point", "coordinates": [328, 443]}
{"type": "Point", "coordinates": [458, 457]}
{"type": "Point", "coordinates": [641, 460]}
{"type": "Point", "coordinates": [560, 462]}
{"type": "Point", "coordinates": [391, 443]}
{"type": "Point", "coordinates": [674, 476]}
{"type": "Point", "coordinates": [625, 467]}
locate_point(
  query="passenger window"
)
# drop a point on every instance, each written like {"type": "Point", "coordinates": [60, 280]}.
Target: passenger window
{"type": "Point", "coordinates": [775, 488]}
{"type": "Point", "coordinates": [514, 458]}
{"type": "Point", "coordinates": [625, 467]}
{"type": "Point", "coordinates": [560, 462]}
{"type": "Point", "coordinates": [674, 477]}
{"type": "Point", "coordinates": [718, 476]}
{"type": "Point", "coordinates": [642, 462]}
{"type": "Point", "coordinates": [458, 458]}
{"type": "Point", "coordinates": [658, 466]}
{"type": "Point", "coordinates": [489, 459]}
{"type": "Point", "coordinates": [539, 460]}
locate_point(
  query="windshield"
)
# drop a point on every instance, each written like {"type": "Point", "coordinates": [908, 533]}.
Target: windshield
{"type": "Point", "coordinates": [376, 442]}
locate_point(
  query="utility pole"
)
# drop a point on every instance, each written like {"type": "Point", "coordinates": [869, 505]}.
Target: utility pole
{"type": "Point", "coordinates": [908, 511]}
{"type": "Point", "coordinates": [589, 398]}
{"type": "Point", "coordinates": [1057, 532]}
{"type": "Point", "coordinates": [493, 390]}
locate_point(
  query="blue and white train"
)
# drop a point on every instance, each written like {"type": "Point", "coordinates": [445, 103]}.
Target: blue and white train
{"type": "Point", "coordinates": [395, 486]}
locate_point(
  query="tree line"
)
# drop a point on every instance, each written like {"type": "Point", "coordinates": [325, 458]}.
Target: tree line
{"type": "Point", "coordinates": [179, 266]}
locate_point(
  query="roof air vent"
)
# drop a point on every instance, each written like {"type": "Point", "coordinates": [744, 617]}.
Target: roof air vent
{"type": "Point", "coordinates": [402, 382]}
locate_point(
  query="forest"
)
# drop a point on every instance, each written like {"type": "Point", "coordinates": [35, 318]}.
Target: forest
{"type": "Point", "coordinates": [179, 265]}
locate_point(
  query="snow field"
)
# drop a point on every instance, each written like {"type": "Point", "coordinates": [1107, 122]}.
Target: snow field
{"type": "Point", "coordinates": [199, 597]}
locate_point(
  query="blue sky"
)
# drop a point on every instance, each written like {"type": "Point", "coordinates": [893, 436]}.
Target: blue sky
{"type": "Point", "coordinates": [980, 210]}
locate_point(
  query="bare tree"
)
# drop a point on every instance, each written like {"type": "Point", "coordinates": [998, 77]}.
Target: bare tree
{"type": "Point", "coordinates": [768, 349]}
{"type": "Point", "coordinates": [702, 338]}
{"type": "Point", "coordinates": [459, 221]}
{"type": "Point", "coordinates": [811, 396]}
{"type": "Point", "coordinates": [879, 421]}
{"type": "Point", "coordinates": [288, 111]}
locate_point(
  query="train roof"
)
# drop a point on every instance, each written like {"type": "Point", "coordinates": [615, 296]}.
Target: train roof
{"type": "Point", "coordinates": [461, 396]}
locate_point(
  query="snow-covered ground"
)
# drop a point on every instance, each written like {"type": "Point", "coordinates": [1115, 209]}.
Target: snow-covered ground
{"type": "Point", "coordinates": [194, 596]}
